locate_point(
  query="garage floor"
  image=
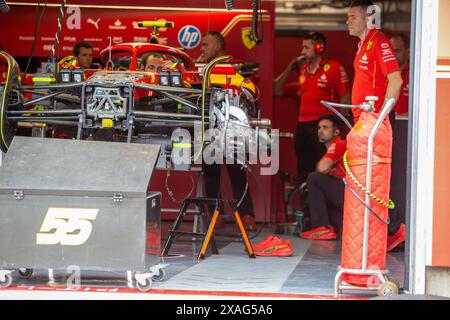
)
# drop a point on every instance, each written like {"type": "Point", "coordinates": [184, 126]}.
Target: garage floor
{"type": "Point", "coordinates": [309, 273]}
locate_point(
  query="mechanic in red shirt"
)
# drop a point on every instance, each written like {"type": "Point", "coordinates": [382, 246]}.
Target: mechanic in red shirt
{"type": "Point", "coordinates": [400, 43]}
{"type": "Point", "coordinates": [325, 185]}
{"type": "Point", "coordinates": [376, 68]}
{"type": "Point", "coordinates": [377, 72]}
{"type": "Point", "coordinates": [320, 78]}
{"type": "Point", "coordinates": [397, 228]}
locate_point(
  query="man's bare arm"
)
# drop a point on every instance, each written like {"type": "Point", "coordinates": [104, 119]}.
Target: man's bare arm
{"type": "Point", "coordinates": [324, 166]}
{"type": "Point", "coordinates": [394, 86]}
{"type": "Point", "coordinates": [281, 79]}
{"type": "Point", "coordinates": [345, 99]}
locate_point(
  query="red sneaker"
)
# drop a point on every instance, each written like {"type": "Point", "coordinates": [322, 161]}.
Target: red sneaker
{"type": "Point", "coordinates": [320, 233]}
{"type": "Point", "coordinates": [276, 251]}
{"type": "Point", "coordinates": [270, 242]}
{"type": "Point", "coordinates": [397, 238]}
{"type": "Point", "coordinates": [249, 222]}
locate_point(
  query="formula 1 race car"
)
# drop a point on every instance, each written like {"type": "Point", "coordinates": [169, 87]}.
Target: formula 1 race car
{"type": "Point", "coordinates": [143, 94]}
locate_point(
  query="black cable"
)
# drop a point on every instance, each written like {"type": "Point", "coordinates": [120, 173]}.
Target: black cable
{"type": "Point", "coordinates": [257, 14]}
{"type": "Point", "coordinates": [209, 17]}
{"type": "Point", "coordinates": [33, 45]}
{"type": "Point", "coordinates": [229, 5]}
{"type": "Point", "coordinates": [58, 31]}
{"type": "Point", "coordinates": [261, 189]}
{"type": "Point", "coordinates": [261, 21]}
{"type": "Point", "coordinates": [221, 183]}
{"type": "Point", "coordinates": [245, 190]}
{"type": "Point", "coordinates": [365, 204]}
{"type": "Point", "coordinates": [4, 8]}
{"type": "Point", "coordinates": [170, 193]}
{"type": "Point", "coordinates": [36, 34]}
{"type": "Point", "coordinates": [219, 195]}
{"type": "Point", "coordinates": [341, 116]}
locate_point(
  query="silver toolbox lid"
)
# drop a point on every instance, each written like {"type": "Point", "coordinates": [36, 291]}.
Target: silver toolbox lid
{"type": "Point", "coordinates": [45, 166]}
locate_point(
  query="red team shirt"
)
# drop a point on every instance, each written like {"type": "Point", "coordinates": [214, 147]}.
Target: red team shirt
{"type": "Point", "coordinates": [329, 83]}
{"type": "Point", "coordinates": [374, 61]}
{"type": "Point", "coordinates": [336, 152]}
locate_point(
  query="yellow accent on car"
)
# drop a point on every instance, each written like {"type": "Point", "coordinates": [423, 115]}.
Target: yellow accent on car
{"type": "Point", "coordinates": [107, 123]}
{"type": "Point", "coordinates": [31, 124]}
{"type": "Point", "coordinates": [41, 79]}
{"type": "Point", "coordinates": [36, 107]}
{"type": "Point", "coordinates": [234, 80]}
{"type": "Point", "coordinates": [4, 95]}
{"type": "Point", "coordinates": [182, 145]}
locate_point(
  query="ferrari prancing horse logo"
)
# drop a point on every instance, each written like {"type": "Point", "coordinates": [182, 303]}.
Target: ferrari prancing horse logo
{"type": "Point", "coordinates": [247, 38]}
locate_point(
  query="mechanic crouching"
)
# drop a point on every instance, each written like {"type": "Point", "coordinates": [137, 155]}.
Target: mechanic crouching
{"type": "Point", "coordinates": [325, 185]}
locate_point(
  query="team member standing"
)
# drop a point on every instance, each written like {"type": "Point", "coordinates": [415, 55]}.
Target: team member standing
{"type": "Point", "coordinates": [376, 69]}
{"type": "Point", "coordinates": [397, 228]}
{"type": "Point", "coordinates": [377, 72]}
{"type": "Point", "coordinates": [400, 43]}
{"type": "Point", "coordinates": [213, 46]}
{"type": "Point", "coordinates": [320, 78]}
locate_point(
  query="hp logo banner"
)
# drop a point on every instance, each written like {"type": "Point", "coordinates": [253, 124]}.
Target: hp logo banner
{"type": "Point", "coordinates": [189, 36]}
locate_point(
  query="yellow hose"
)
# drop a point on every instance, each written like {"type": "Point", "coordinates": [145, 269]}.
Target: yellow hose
{"type": "Point", "coordinates": [3, 101]}
{"type": "Point", "coordinates": [205, 85]}
{"type": "Point", "coordinates": [390, 205]}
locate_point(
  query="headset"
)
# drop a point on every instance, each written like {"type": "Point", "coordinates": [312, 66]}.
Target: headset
{"type": "Point", "coordinates": [321, 42]}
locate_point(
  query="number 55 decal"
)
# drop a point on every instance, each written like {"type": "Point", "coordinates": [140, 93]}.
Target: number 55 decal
{"type": "Point", "coordinates": [68, 227]}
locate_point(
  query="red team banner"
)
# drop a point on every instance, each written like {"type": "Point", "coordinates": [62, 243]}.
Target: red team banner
{"type": "Point", "coordinates": [98, 23]}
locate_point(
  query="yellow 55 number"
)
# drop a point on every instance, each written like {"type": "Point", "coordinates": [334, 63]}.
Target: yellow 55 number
{"type": "Point", "coordinates": [67, 227]}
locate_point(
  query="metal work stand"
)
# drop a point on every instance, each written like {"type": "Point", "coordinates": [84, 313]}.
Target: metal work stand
{"type": "Point", "coordinates": [388, 285]}
{"type": "Point", "coordinates": [209, 235]}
